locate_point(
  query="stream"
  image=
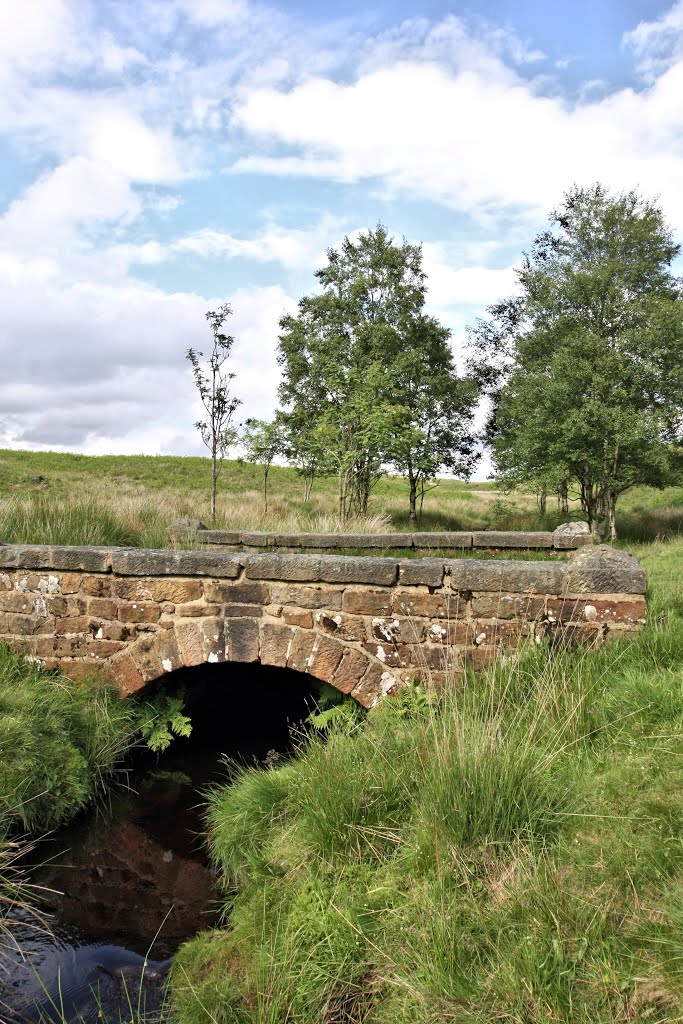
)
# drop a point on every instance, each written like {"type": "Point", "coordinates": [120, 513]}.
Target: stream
{"type": "Point", "coordinates": [131, 879]}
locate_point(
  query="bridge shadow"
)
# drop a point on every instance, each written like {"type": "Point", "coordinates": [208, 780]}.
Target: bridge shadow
{"type": "Point", "coordinates": [242, 712]}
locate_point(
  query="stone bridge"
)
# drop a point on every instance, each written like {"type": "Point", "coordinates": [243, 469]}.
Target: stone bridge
{"type": "Point", "coordinates": [363, 624]}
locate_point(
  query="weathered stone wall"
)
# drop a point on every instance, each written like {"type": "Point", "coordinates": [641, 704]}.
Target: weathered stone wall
{"type": "Point", "coordinates": [365, 625]}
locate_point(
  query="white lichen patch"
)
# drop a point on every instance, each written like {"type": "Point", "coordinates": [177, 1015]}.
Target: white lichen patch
{"type": "Point", "coordinates": [5, 581]}
{"type": "Point", "coordinates": [99, 635]}
{"type": "Point", "coordinates": [480, 638]}
{"type": "Point", "coordinates": [40, 607]}
{"type": "Point", "coordinates": [22, 584]}
{"type": "Point", "coordinates": [387, 630]}
{"type": "Point", "coordinates": [590, 612]}
{"type": "Point", "coordinates": [436, 630]}
{"type": "Point", "coordinates": [49, 584]}
{"type": "Point", "coordinates": [213, 657]}
{"type": "Point", "coordinates": [381, 653]}
{"type": "Point", "coordinates": [167, 664]}
{"type": "Point", "coordinates": [387, 683]}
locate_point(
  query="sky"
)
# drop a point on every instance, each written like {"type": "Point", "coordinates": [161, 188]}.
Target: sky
{"type": "Point", "coordinates": [161, 157]}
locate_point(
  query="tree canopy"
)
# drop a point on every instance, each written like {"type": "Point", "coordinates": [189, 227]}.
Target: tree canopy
{"type": "Point", "coordinates": [585, 365]}
{"type": "Point", "coordinates": [368, 377]}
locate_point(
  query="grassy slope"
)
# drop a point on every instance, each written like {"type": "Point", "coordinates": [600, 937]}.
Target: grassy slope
{"type": "Point", "coordinates": [511, 853]}
{"type": "Point", "coordinates": [131, 500]}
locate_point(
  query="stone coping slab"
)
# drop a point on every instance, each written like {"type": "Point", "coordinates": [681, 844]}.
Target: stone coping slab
{"type": "Point", "coordinates": [442, 540]}
{"type": "Point", "coordinates": [598, 569]}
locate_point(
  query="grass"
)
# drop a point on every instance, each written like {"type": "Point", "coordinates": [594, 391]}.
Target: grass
{"type": "Point", "coordinates": [59, 740]}
{"type": "Point", "coordinates": [49, 497]}
{"type": "Point", "coordinates": [510, 849]}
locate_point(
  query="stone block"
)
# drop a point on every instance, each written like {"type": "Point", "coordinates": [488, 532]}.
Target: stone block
{"type": "Point", "coordinates": [126, 674]}
{"type": "Point", "coordinates": [367, 602]}
{"type": "Point", "coordinates": [501, 634]}
{"type": "Point", "coordinates": [604, 570]}
{"type": "Point", "coordinates": [76, 605]}
{"type": "Point", "coordinates": [55, 605]}
{"type": "Point", "coordinates": [72, 624]}
{"type": "Point", "coordinates": [426, 572]}
{"type": "Point", "coordinates": [397, 630]}
{"type": "Point", "coordinates": [445, 605]}
{"type": "Point", "coordinates": [300, 650]}
{"type": "Point", "coordinates": [112, 630]}
{"type": "Point", "coordinates": [298, 617]}
{"type": "Point", "coordinates": [341, 626]}
{"type": "Point", "coordinates": [196, 610]}
{"type": "Point", "coordinates": [141, 562]}
{"type": "Point", "coordinates": [103, 608]}
{"type": "Point", "coordinates": [350, 670]}
{"type": "Point", "coordinates": [433, 657]}
{"type": "Point", "coordinates": [323, 541]}
{"type": "Point", "coordinates": [48, 556]}
{"type": "Point", "coordinates": [275, 641]}
{"type": "Point", "coordinates": [442, 540]}
{"type": "Point", "coordinates": [378, 682]}
{"type": "Point", "coordinates": [321, 569]}
{"type": "Point", "coordinates": [223, 592]}
{"type": "Point", "coordinates": [242, 640]}
{"type": "Point", "coordinates": [507, 606]}
{"type": "Point", "coordinates": [512, 539]}
{"type": "Point", "coordinates": [481, 658]}
{"type": "Point", "coordinates": [71, 582]}
{"type": "Point", "coordinates": [378, 541]}
{"type": "Point", "coordinates": [94, 586]}
{"type": "Point", "coordinates": [390, 654]}
{"type": "Point", "coordinates": [190, 640]}
{"type": "Point", "coordinates": [575, 609]}
{"type": "Point", "coordinates": [229, 538]}
{"type": "Point", "coordinates": [167, 650]}
{"type": "Point", "coordinates": [177, 591]}
{"type": "Point", "coordinates": [134, 611]}
{"type": "Point", "coordinates": [306, 597]}
{"type": "Point", "coordinates": [16, 601]}
{"type": "Point", "coordinates": [498, 576]}
{"type": "Point", "coordinates": [326, 656]}
{"type": "Point", "coordinates": [231, 611]}
{"type": "Point", "coordinates": [146, 657]}
{"type": "Point", "coordinates": [450, 634]}
{"type": "Point", "coordinates": [26, 625]}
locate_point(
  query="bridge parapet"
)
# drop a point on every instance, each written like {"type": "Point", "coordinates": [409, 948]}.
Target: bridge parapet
{"type": "Point", "coordinates": [363, 624]}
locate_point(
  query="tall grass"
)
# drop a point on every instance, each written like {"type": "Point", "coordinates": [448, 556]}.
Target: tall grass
{"type": "Point", "coordinates": [59, 740]}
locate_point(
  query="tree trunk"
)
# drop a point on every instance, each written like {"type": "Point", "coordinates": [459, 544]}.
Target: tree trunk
{"type": "Point", "coordinates": [214, 480]}
{"type": "Point", "coordinates": [542, 499]}
{"type": "Point", "coordinates": [413, 494]}
{"type": "Point", "coordinates": [343, 497]}
{"type": "Point", "coordinates": [308, 485]}
{"type": "Point", "coordinates": [612, 517]}
{"type": "Point", "coordinates": [563, 499]}
{"type": "Point", "coordinates": [265, 487]}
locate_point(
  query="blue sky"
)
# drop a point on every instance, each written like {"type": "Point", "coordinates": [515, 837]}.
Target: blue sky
{"type": "Point", "coordinates": [159, 157]}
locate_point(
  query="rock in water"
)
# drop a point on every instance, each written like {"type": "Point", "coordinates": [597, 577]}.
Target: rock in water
{"type": "Point", "coordinates": [95, 984]}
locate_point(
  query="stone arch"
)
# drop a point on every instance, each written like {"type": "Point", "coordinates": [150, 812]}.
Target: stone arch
{"type": "Point", "coordinates": [343, 664]}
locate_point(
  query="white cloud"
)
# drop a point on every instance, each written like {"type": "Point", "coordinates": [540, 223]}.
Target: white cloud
{"type": "Point", "coordinates": [475, 140]}
{"type": "Point", "coordinates": [81, 194]}
{"type": "Point", "coordinates": [659, 43]}
{"type": "Point", "coordinates": [451, 285]}
{"type": "Point", "coordinates": [292, 248]}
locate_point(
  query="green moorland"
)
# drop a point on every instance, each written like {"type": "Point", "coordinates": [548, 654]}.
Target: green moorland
{"type": "Point", "coordinates": [131, 500]}
{"type": "Point", "coordinates": [509, 850]}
